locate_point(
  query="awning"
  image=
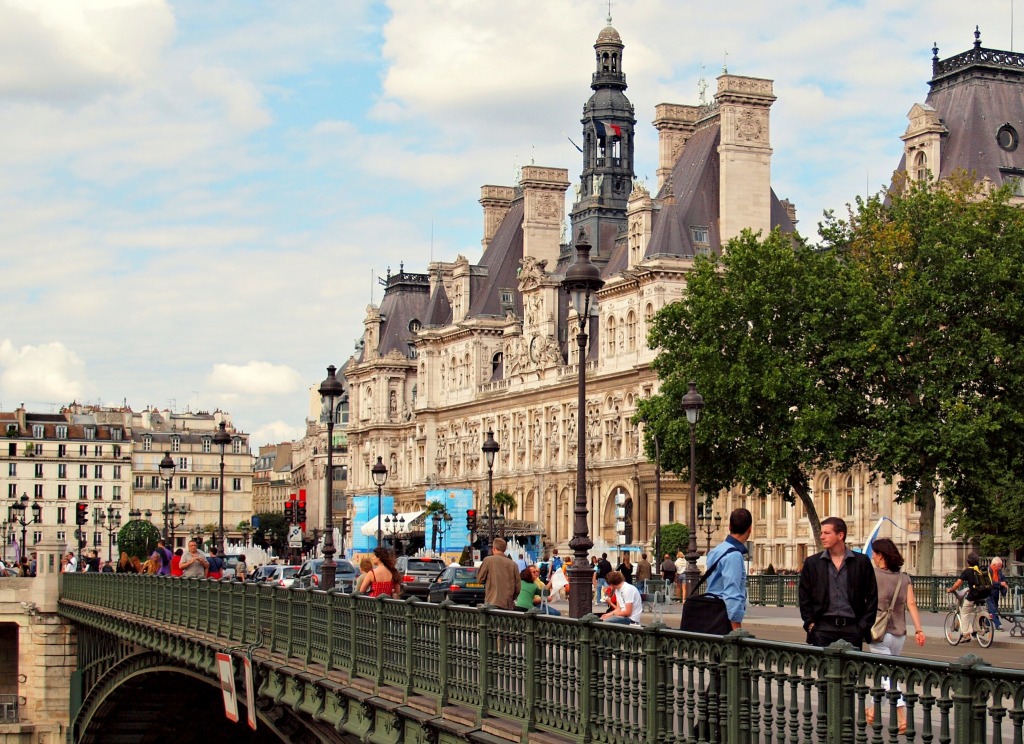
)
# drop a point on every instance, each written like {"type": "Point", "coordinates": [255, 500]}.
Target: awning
{"type": "Point", "coordinates": [389, 527]}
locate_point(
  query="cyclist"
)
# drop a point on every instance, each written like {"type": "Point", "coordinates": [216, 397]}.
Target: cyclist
{"type": "Point", "coordinates": [974, 595]}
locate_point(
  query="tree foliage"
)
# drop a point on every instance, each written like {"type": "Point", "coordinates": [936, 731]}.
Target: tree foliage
{"type": "Point", "coordinates": [138, 538]}
{"type": "Point", "coordinates": [941, 347]}
{"type": "Point", "coordinates": [504, 502]}
{"type": "Point", "coordinates": [272, 532]}
{"type": "Point", "coordinates": [674, 537]}
{"type": "Point", "coordinates": [760, 331]}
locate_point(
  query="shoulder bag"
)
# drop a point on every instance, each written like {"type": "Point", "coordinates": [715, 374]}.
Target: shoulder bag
{"type": "Point", "coordinates": [706, 613]}
{"type": "Point", "coordinates": [882, 619]}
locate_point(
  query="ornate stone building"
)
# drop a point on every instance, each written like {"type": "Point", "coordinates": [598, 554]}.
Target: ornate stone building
{"type": "Point", "coordinates": [469, 347]}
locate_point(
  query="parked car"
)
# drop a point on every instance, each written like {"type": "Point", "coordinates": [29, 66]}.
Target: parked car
{"type": "Point", "coordinates": [418, 574]}
{"type": "Point", "coordinates": [310, 575]}
{"type": "Point", "coordinates": [459, 584]}
{"type": "Point", "coordinates": [230, 561]}
{"type": "Point", "coordinates": [262, 573]}
{"type": "Point", "coordinates": [283, 576]}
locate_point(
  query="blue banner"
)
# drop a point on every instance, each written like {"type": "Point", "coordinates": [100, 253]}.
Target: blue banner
{"type": "Point", "coordinates": [456, 501]}
{"type": "Point", "coordinates": [365, 512]}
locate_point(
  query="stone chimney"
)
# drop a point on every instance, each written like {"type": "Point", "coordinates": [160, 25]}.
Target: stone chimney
{"type": "Point", "coordinates": [543, 211]}
{"type": "Point", "coordinates": [675, 124]}
{"type": "Point", "coordinates": [496, 201]}
{"type": "Point", "coordinates": [745, 155]}
{"type": "Point", "coordinates": [640, 217]}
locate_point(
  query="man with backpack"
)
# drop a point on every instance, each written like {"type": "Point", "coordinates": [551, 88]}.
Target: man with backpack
{"type": "Point", "coordinates": [979, 587]}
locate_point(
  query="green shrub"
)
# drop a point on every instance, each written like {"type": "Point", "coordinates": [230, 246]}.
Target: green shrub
{"type": "Point", "coordinates": [138, 538]}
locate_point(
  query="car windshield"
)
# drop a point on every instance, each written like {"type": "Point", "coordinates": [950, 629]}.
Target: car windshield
{"type": "Point", "coordinates": [423, 565]}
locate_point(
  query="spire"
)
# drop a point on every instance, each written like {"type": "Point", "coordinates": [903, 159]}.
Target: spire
{"type": "Point", "coordinates": [977, 38]}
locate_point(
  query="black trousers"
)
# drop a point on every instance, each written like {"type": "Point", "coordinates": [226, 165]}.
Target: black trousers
{"type": "Point", "coordinates": [825, 633]}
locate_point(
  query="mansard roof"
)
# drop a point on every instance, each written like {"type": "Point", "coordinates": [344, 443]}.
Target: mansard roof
{"type": "Point", "coordinates": [976, 93]}
{"type": "Point", "coordinates": [439, 311]}
{"type": "Point", "coordinates": [406, 300]}
{"type": "Point", "coordinates": [502, 262]}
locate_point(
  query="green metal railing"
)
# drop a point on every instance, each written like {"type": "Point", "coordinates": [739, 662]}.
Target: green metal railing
{"type": "Point", "coordinates": [929, 592]}
{"type": "Point", "coordinates": [585, 680]}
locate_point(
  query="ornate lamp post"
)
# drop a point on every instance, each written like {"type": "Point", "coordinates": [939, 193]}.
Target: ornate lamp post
{"type": "Point", "coordinates": [442, 523]}
{"type": "Point", "coordinates": [330, 389]}
{"type": "Point", "coordinates": [16, 514]}
{"type": "Point", "coordinates": [167, 475]}
{"type": "Point", "coordinates": [109, 520]}
{"type": "Point", "coordinates": [708, 525]}
{"type": "Point", "coordinates": [138, 514]}
{"type": "Point", "coordinates": [693, 404]}
{"type": "Point", "coordinates": [221, 438]}
{"type": "Point", "coordinates": [582, 280]}
{"type": "Point", "coordinates": [379, 473]}
{"type": "Point", "coordinates": [395, 524]}
{"type": "Point", "coordinates": [174, 517]}
{"type": "Point", "coordinates": [6, 532]}
{"type": "Point", "coordinates": [490, 449]}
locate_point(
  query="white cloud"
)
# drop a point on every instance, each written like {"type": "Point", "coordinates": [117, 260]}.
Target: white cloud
{"type": "Point", "coordinates": [44, 374]}
{"type": "Point", "coordinates": [254, 378]}
{"type": "Point", "coordinates": [275, 431]}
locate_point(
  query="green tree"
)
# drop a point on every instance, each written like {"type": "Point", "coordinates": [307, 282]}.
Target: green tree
{"type": "Point", "coordinates": [505, 502]}
{"type": "Point", "coordinates": [674, 537]}
{"type": "Point", "coordinates": [760, 330]}
{"type": "Point", "coordinates": [434, 507]}
{"type": "Point", "coordinates": [941, 346]}
{"type": "Point", "coordinates": [272, 532]}
{"type": "Point", "coordinates": [138, 538]}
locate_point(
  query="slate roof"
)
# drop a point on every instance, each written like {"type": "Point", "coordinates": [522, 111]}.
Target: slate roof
{"type": "Point", "coordinates": [406, 299]}
{"type": "Point", "coordinates": [502, 261]}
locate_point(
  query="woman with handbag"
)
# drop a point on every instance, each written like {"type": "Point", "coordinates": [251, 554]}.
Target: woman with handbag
{"type": "Point", "coordinates": [895, 599]}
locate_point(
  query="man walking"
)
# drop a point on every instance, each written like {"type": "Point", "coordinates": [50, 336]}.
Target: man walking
{"type": "Point", "coordinates": [604, 567]}
{"type": "Point", "coordinates": [668, 573]}
{"type": "Point", "coordinates": [729, 580]}
{"type": "Point", "coordinates": [838, 594]}
{"type": "Point", "coordinates": [500, 577]}
{"type": "Point", "coordinates": [643, 572]}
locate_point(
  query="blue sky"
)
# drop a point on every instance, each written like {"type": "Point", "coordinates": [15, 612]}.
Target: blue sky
{"type": "Point", "coordinates": [194, 196]}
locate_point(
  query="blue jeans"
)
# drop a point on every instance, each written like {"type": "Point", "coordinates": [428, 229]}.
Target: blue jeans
{"type": "Point", "coordinates": [601, 586]}
{"type": "Point", "coordinates": [549, 610]}
{"type": "Point", "coordinates": [993, 607]}
{"type": "Point", "coordinates": [620, 620]}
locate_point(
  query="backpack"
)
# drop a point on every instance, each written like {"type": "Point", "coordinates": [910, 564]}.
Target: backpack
{"type": "Point", "coordinates": [982, 584]}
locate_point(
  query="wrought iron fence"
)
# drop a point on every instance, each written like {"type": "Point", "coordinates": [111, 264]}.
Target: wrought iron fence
{"type": "Point", "coordinates": [588, 681]}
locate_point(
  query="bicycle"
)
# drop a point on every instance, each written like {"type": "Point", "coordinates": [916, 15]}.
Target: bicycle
{"type": "Point", "coordinates": [984, 631]}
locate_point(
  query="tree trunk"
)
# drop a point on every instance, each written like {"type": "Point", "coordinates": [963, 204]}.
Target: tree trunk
{"type": "Point", "coordinates": [926, 553]}
{"type": "Point", "coordinates": [799, 485]}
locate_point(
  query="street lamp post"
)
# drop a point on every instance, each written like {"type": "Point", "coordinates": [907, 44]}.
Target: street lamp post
{"type": "Point", "coordinates": [582, 280]}
{"type": "Point", "coordinates": [167, 475]}
{"type": "Point", "coordinates": [657, 496]}
{"type": "Point", "coordinates": [17, 512]}
{"type": "Point", "coordinates": [490, 449]}
{"type": "Point", "coordinates": [693, 404]}
{"type": "Point", "coordinates": [708, 525]}
{"type": "Point", "coordinates": [174, 517]}
{"type": "Point", "coordinates": [395, 524]}
{"type": "Point", "coordinates": [442, 523]}
{"type": "Point", "coordinates": [6, 532]}
{"type": "Point", "coordinates": [379, 473]}
{"type": "Point", "coordinates": [109, 520]}
{"type": "Point", "coordinates": [138, 514]}
{"type": "Point", "coordinates": [221, 438]}
{"type": "Point", "coordinates": [330, 389]}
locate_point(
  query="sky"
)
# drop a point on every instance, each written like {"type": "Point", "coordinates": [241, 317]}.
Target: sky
{"type": "Point", "coordinates": [196, 197]}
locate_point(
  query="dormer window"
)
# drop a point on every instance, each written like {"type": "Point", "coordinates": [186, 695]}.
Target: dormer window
{"type": "Point", "coordinates": [414, 325]}
{"type": "Point", "coordinates": [1007, 138]}
{"type": "Point", "coordinates": [236, 445]}
{"type": "Point", "coordinates": [147, 443]}
{"type": "Point", "coordinates": [921, 167]}
{"type": "Point", "coordinates": [116, 434]}
{"type": "Point", "coordinates": [506, 299]}
{"type": "Point", "coordinates": [62, 432]}
{"type": "Point", "coordinates": [700, 234]}
{"type": "Point", "coordinates": [90, 432]}
{"type": "Point", "coordinates": [175, 444]}
{"type": "Point", "coordinates": [37, 431]}
{"type": "Point", "coordinates": [207, 444]}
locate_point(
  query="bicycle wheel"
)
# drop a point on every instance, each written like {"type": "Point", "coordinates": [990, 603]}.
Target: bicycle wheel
{"type": "Point", "coordinates": [985, 631]}
{"type": "Point", "coordinates": [952, 627]}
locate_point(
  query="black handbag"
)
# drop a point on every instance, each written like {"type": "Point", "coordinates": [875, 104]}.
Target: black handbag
{"type": "Point", "coordinates": [706, 613]}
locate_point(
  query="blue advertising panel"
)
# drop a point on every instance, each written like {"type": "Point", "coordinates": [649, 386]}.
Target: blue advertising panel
{"type": "Point", "coordinates": [365, 512]}
{"type": "Point", "coordinates": [456, 501]}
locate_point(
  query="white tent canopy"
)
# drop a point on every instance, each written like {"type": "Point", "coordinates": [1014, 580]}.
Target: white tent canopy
{"type": "Point", "coordinates": [388, 527]}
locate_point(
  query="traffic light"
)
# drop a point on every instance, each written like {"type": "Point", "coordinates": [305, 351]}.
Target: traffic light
{"type": "Point", "coordinates": [300, 513]}
{"type": "Point", "coordinates": [471, 520]}
{"type": "Point", "coordinates": [289, 512]}
{"type": "Point", "coordinates": [81, 513]}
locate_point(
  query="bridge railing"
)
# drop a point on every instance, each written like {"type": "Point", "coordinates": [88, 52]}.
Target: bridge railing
{"type": "Point", "coordinates": [780, 590]}
{"type": "Point", "coordinates": [584, 680]}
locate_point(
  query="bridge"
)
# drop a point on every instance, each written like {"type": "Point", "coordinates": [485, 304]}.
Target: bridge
{"type": "Point", "coordinates": [331, 667]}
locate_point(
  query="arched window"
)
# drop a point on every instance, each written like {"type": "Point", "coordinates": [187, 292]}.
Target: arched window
{"type": "Point", "coordinates": [671, 511]}
{"type": "Point", "coordinates": [611, 335]}
{"type": "Point", "coordinates": [921, 166]}
{"type": "Point", "coordinates": [629, 521]}
{"type": "Point", "coordinates": [630, 331]}
{"type": "Point", "coordinates": [848, 493]}
{"type": "Point", "coordinates": [822, 502]}
{"type": "Point", "coordinates": [496, 364]}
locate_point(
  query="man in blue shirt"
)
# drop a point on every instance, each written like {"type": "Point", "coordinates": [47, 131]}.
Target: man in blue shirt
{"type": "Point", "coordinates": [729, 579]}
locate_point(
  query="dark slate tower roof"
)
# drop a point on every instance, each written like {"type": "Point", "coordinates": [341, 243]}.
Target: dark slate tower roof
{"type": "Point", "coordinates": [502, 261]}
{"type": "Point", "coordinates": [979, 96]}
{"type": "Point", "coordinates": [404, 308]}
{"type": "Point", "coordinates": [608, 123]}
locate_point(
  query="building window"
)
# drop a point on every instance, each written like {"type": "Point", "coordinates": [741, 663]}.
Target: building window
{"type": "Point", "coordinates": [762, 507]}
{"type": "Point", "coordinates": [12, 469]}
{"type": "Point", "coordinates": [36, 537]}
{"type": "Point", "coordinates": [83, 471]}
{"type": "Point", "coordinates": [12, 448]}
{"type": "Point", "coordinates": [236, 484]}
{"type": "Point", "coordinates": [12, 490]}
{"type": "Point", "coordinates": [1007, 138]}
{"type": "Point", "coordinates": [62, 432]}
{"type": "Point", "coordinates": [116, 495]}
{"type": "Point", "coordinates": [611, 335]}
{"type": "Point", "coordinates": [62, 491]}
{"type": "Point", "coordinates": [98, 450]}
{"type": "Point", "coordinates": [783, 508]}
{"type": "Point", "coordinates": [37, 431]}
{"type": "Point", "coordinates": [700, 234]}
{"type": "Point", "coordinates": [175, 444]}
{"type": "Point", "coordinates": [147, 443]}
{"type": "Point", "coordinates": [630, 331]}
{"type": "Point", "coordinates": [215, 483]}
{"type": "Point", "coordinates": [236, 446]}
{"type": "Point", "coordinates": [39, 470]}
{"type": "Point", "coordinates": [90, 432]}
{"type": "Point", "coordinates": [62, 450]}
{"type": "Point", "coordinates": [197, 484]}
{"type": "Point", "coordinates": [183, 483]}
{"type": "Point", "coordinates": [39, 449]}
{"type": "Point", "coordinates": [62, 470]}
{"type": "Point", "coordinates": [117, 472]}
{"type": "Point", "coordinates": [62, 515]}
{"type": "Point", "coordinates": [207, 444]}
{"type": "Point", "coordinates": [37, 491]}
{"type": "Point", "coordinates": [138, 481]}
{"type": "Point", "coordinates": [671, 511]}
{"type": "Point", "coordinates": [921, 166]}
{"type": "Point", "coordinates": [61, 536]}
{"type": "Point", "coordinates": [182, 463]}
{"type": "Point", "coordinates": [116, 435]}
{"type": "Point", "coordinates": [849, 495]}
{"type": "Point", "coordinates": [117, 450]}
{"type": "Point", "coordinates": [83, 493]}
{"type": "Point", "coordinates": [98, 471]}
{"type": "Point", "coordinates": [97, 492]}
{"type": "Point", "coordinates": [414, 325]}
{"type": "Point", "coordinates": [154, 481]}
{"type": "Point", "coordinates": [82, 450]}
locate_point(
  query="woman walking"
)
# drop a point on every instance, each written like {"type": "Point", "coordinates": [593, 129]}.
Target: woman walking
{"type": "Point", "coordinates": [999, 589]}
{"type": "Point", "coordinates": [626, 568]}
{"type": "Point", "coordinates": [383, 579]}
{"type": "Point", "coordinates": [894, 590]}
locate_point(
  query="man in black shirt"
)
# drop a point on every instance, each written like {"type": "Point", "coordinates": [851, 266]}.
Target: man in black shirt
{"type": "Point", "coordinates": [604, 567]}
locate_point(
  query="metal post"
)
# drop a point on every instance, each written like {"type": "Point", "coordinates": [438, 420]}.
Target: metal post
{"type": "Point", "coordinates": [221, 438]}
{"type": "Point", "coordinates": [330, 389]}
{"type": "Point", "coordinates": [379, 473]}
{"type": "Point", "coordinates": [657, 499]}
{"type": "Point", "coordinates": [693, 404]}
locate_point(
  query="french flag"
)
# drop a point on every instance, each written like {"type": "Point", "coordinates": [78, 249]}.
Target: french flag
{"type": "Point", "coordinates": [607, 129]}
